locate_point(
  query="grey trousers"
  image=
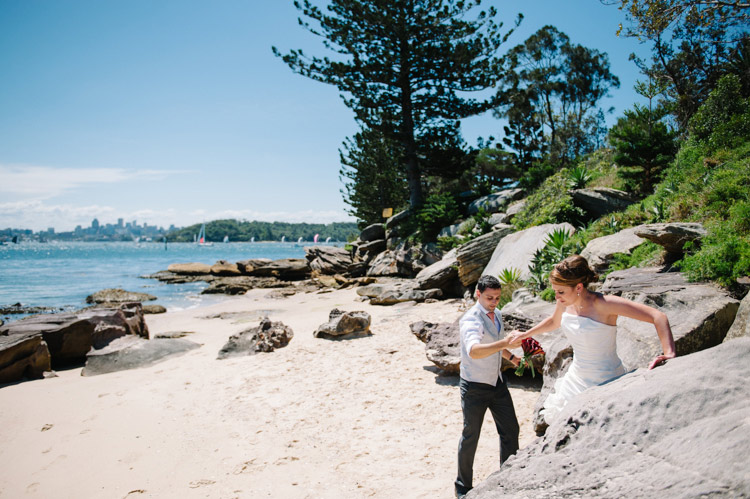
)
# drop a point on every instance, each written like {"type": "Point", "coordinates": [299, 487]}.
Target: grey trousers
{"type": "Point", "coordinates": [476, 398]}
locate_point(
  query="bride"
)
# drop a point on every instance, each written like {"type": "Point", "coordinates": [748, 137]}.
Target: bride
{"type": "Point", "coordinates": [589, 321]}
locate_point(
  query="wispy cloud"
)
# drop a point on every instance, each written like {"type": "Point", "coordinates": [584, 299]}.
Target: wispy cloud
{"type": "Point", "coordinates": [29, 182]}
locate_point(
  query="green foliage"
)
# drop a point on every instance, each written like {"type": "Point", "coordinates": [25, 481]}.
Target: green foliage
{"type": "Point", "coordinates": [646, 254]}
{"type": "Point", "coordinates": [438, 211]}
{"type": "Point", "coordinates": [578, 178]}
{"type": "Point", "coordinates": [550, 203]}
{"type": "Point", "coordinates": [724, 120]}
{"type": "Point", "coordinates": [547, 294]}
{"type": "Point", "coordinates": [558, 245]}
{"type": "Point", "coordinates": [724, 256]}
{"type": "Point", "coordinates": [265, 231]}
{"type": "Point", "coordinates": [509, 276]}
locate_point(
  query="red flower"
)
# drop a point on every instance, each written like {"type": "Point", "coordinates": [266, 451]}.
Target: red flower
{"type": "Point", "coordinates": [530, 347]}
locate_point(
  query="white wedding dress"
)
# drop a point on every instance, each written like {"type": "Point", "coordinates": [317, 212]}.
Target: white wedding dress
{"type": "Point", "coordinates": [595, 361]}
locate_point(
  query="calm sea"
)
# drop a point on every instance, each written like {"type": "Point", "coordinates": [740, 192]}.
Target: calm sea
{"type": "Point", "coordinates": [63, 274]}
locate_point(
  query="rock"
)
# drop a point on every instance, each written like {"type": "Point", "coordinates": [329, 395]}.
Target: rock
{"type": "Point", "coordinates": [370, 249]}
{"type": "Point", "coordinates": [496, 201]}
{"type": "Point", "coordinates": [225, 268]}
{"type": "Point", "coordinates": [18, 308]}
{"type": "Point", "coordinates": [497, 218]}
{"type": "Point", "coordinates": [741, 325]}
{"type": "Point", "coordinates": [345, 325]}
{"type": "Point", "coordinates": [473, 256]}
{"type": "Point", "coordinates": [667, 432]}
{"type": "Point", "coordinates": [266, 337]}
{"type": "Point", "coordinates": [397, 292]}
{"type": "Point", "coordinates": [70, 336]}
{"type": "Point", "coordinates": [328, 260]}
{"type": "Point", "coordinates": [154, 309]}
{"type": "Point", "coordinates": [23, 356]}
{"type": "Point", "coordinates": [118, 296]}
{"type": "Point", "coordinates": [441, 274]}
{"type": "Point", "coordinates": [442, 344]}
{"type": "Point", "coordinates": [599, 201]}
{"type": "Point", "coordinates": [700, 314]}
{"type": "Point", "coordinates": [372, 233]}
{"type": "Point", "coordinates": [406, 260]}
{"type": "Point", "coordinates": [600, 251]}
{"type": "Point", "coordinates": [672, 236]}
{"type": "Point", "coordinates": [517, 250]}
{"type": "Point", "coordinates": [172, 278]}
{"type": "Point", "coordinates": [247, 267]}
{"type": "Point", "coordinates": [132, 352]}
{"type": "Point", "coordinates": [449, 231]}
{"type": "Point", "coordinates": [288, 269]}
{"type": "Point", "coordinates": [397, 219]}
{"type": "Point", "coordinates": [190, 268]}
{"type": "Point", "coordinates": [514, 209]}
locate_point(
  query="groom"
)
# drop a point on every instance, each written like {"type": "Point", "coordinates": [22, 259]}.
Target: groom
{"type": "Point", "coordinates": [482, 384]}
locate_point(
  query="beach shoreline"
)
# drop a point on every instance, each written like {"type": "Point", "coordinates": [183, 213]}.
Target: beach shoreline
{"type": "Point", "coordinates": [365, 417]}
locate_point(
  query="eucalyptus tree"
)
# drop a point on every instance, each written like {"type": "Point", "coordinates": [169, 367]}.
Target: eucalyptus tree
{"type": "Point", "coordinates": [413, 61]}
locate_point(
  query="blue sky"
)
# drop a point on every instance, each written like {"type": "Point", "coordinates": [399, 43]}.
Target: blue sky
{"type": "Point", "coordinates": [177, 112]}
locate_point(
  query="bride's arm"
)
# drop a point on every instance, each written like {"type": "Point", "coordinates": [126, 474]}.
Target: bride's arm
{"type": "Point", "coordinates": [615, 305]}
{"type": "Point", "coordinates": [548, 324]}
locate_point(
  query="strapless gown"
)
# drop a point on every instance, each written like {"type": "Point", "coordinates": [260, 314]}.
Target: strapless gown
{"type": "Point", "coordinates": [595, 361]}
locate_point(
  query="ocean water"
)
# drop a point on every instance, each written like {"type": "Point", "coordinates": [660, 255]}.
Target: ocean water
{"type": "Point", "coordinates": [62, 274]}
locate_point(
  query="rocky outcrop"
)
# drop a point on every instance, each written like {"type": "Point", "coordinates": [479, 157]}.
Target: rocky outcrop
{"type": "Point", "coordinates": [23, 356]}
{"type": "Point", "coordinates": [666, 432]}
{"type": "Point", "coordinates": [132, 352]}
{"type": "Point", "coordinates": [372, 233]}
{"type": "Point", "coordinates": [391, 293]}
{"type": "Point", "coordinates": [190, 268]}
{"type": "Point", "coordinates": [741, 325]}
{"type": "Point", "coordinates": [672, 236]}
{"type": "Point", "coordinates": [495, 202]}
{"type": "Point", "coordinates": [599, 201]}
{"type": "Point", "coordinates": [225, 268]}
{"type": "Point", "coordinates": [154, 309]}
{"type": "Point", "coordinates": [118, 296]}
{"type": "Point", "coordinates": [345, 325]}
{"type": "Point", "coordinates": [266, 337]}
{"type": "Point", "coordinates": [70, 336]}
{"type": "Point", "coordinates": [442, 344]}
{"type": "Point", "coordinates": [474, 256]}
{"type": "Point", "coordinates": [247, 267]}
{"type": "Point", "coordinates": [287, 269]}
{"type": "Point", "coordinates": [517, 250]}
{"type": "Point", "coordinates": [442, 274]}
{"type": "Point", "coordinates": [328, 260]}
{"type": "Point", "coordinates": [600, 251]}
{"type": "Point", "coordinates": [405, 260]}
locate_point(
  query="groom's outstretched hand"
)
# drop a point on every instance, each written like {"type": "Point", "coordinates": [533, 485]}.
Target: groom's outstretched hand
{"type": "Point", "coordinates": [660, 360]}
{"type": "Point", "coordinates": [515, 338]}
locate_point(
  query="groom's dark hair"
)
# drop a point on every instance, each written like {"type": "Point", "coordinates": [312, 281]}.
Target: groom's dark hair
{"type": "Point", "coordinates": [488, 282]}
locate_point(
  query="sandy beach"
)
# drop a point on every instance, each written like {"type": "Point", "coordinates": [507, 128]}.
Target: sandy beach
{"type": "Point", "coordinates": [366, 417]}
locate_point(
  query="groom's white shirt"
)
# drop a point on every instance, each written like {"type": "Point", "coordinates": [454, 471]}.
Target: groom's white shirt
{"type": "Point", "coordinates": [477, 328]}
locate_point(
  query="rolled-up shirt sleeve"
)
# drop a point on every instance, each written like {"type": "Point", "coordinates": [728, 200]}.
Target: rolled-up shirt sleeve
{"type": "Point", "coordinates": [471, 332]}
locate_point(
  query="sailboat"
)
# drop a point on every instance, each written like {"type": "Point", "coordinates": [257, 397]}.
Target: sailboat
{"type": "Point", "coordinates": [252, 239]}
{"type": "Point", "coordinates": [299, 241]}
{"type": "Point", "coordinates": [283, 239]}
{"type": "Point", "coordinates": [202, 237]}
{"type": "Point", "coordinates": [315, 239]}
{"type": "Point", "coordinates": [328, 240]}
{"type": "Point", "coordinates": [226, 239]}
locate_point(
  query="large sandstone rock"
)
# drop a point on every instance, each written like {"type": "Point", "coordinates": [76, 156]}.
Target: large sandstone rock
{"type": "Point", "coordinates": [441, 274]}
{"type": "Point", "coordinates": [669, 432]}
{"type": "Point", "coordinates": [397, 219]}
{"type": "Point", "coordinates": [405, 260]}
{"type": "Point", "coordinates": [118, 296]}
{"type": "Point", "coordinates": [600, 251]}
{"type": "Point", "coordinates": [225, 268]}
{"type": "Point", "coordinates": [190, 268]}
{"type": "Point", "coordinates": [328, 260]}
{"type": "Point", "coordinates": [266, 337]}
{"type": "Point", "coordinates": [599, 201]}
{"type": "Point", "coordinates": [249, 266]}
{"type": "Point", "coordinates": [397, 292]}
{"type": "Point", "coordinates": [372, 232]}
{"type": "Point", "coordinates": [288, 269]}
{"type": "Point", "coordinates": [473, 256]}
{"type": "Point", "coordinates": [70, 336]}
{"type": "Point", "coordinates": [672, 236]}
{"type": "Point", "coordinates": [496, 201]}
{"type": "Point", "coordinates": [442, 344]}
{"type": "Point", "coordinates": [517, 250]}
{"type": "Point", "coordinates": [741, 325]}
{"type": "Point", "coordinates": [132, 352]}
{"type": "Point", "coordinates": [345, 325]}
{"type": "Point", "coordinates": [23, 356]}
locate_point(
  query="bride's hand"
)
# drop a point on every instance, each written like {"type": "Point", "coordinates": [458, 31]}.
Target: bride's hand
{"type": "Point", "coordinates": [660, 360]}
{"type": "Point", "coordinates": [514, 338]}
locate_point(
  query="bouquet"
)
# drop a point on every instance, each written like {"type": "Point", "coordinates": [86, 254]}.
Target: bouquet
{"type": "Point", "coordinates": [530, 347]}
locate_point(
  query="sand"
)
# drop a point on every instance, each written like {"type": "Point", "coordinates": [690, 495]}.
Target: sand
{"type": "Point", "coordinates": [366, 417]}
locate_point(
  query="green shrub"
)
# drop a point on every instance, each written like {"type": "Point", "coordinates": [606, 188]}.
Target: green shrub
{"type": "Point", "coordinates": [723, 121]}
{"type": "Point", "coordinates": [438, 211]}
{"type": "Point", "coordinates": [550, 203]}
{"type": "Point", "coordinates": [558, 246]}
{"type": "Point", "coordinates": [579, 177]}
{"type": "Point", "coordinates": [723, 257]}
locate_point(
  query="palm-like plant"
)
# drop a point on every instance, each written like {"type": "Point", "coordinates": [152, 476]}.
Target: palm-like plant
{"type": "Point", "coordinates": [579, 177]}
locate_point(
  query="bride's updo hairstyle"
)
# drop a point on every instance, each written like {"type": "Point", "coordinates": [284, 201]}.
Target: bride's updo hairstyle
{"type": "Point", "coordinates": [571, 271]}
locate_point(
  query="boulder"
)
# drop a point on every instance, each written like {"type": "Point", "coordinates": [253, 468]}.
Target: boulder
{"type": "Point", "coordinates": [288, 269]}
{"type": "Point", "coordinates": [369, 249]}
{"type": "Point", "coordinates": [249, 266]}
{"type": "Point", "coordinates": [266, 337]}
{"type": "Point", "coordinates": [190, 268]}
{"type": "Point", "coordinates": [600, 251]}
{"type": "Point", "coordinates": [498, 218]}
{"type": "Point", "coordinates": [599, 201]}
{"type": "Point", "coordinates": [495, 202]}
{"type": "Point", "coordinates": [154, 309]}
{"type": "Point", "coordinates": [397, 292]}
{"type": "Point", "coordinates": [405, 260]}
{"type": "Point", "coordinates": [397, 219]}
{"type": "Point", "coordinates": [671, 431]}
{"type": "Point", "coordinates": [372, 233]}
{"type": "Point", "coordinates": [345, 325]}
{"type": "Point", "coordinates": [225, 268]}
{"type": "Point", "coordinates": [328, 260]}
{"type": "Point", "coordinates": [239, 285]}
{"type": "Point", "coordinates": [449, 231]}
{"type": "Point", "coordinates": [23, 356]}
{"type": "Point", "coordinates": [118, 296]}
{"type": "Point", "coordinates": [441, 274]}
{"type": "Point", "coordinates": [517, 250]}
{"type": "Point", "coordinates": [70, 336]}
{"type": "Point", "coordinates": [672, 236]}
{"type": "Point", "coordinates": [442, 344]}
{"type": "Point", "coordinates": [385, 264]}
{"type": "Point", "coordinates": [473, 256]}
{"type": "Point", "coordinates": [19, 308]}
{"type": "Point", "coordinates": [132, 352]}
{"type": "Point", "coordinates": [514, 209]}
{"type": "Point", "coordinates": [741, 325]}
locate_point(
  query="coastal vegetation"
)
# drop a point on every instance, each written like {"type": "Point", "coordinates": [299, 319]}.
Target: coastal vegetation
{"type": "Point", "coordinates": [237, 231]}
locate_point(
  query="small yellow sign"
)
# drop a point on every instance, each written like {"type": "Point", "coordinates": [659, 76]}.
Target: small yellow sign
{"type": "Point", "coordinates": [387, 212]}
